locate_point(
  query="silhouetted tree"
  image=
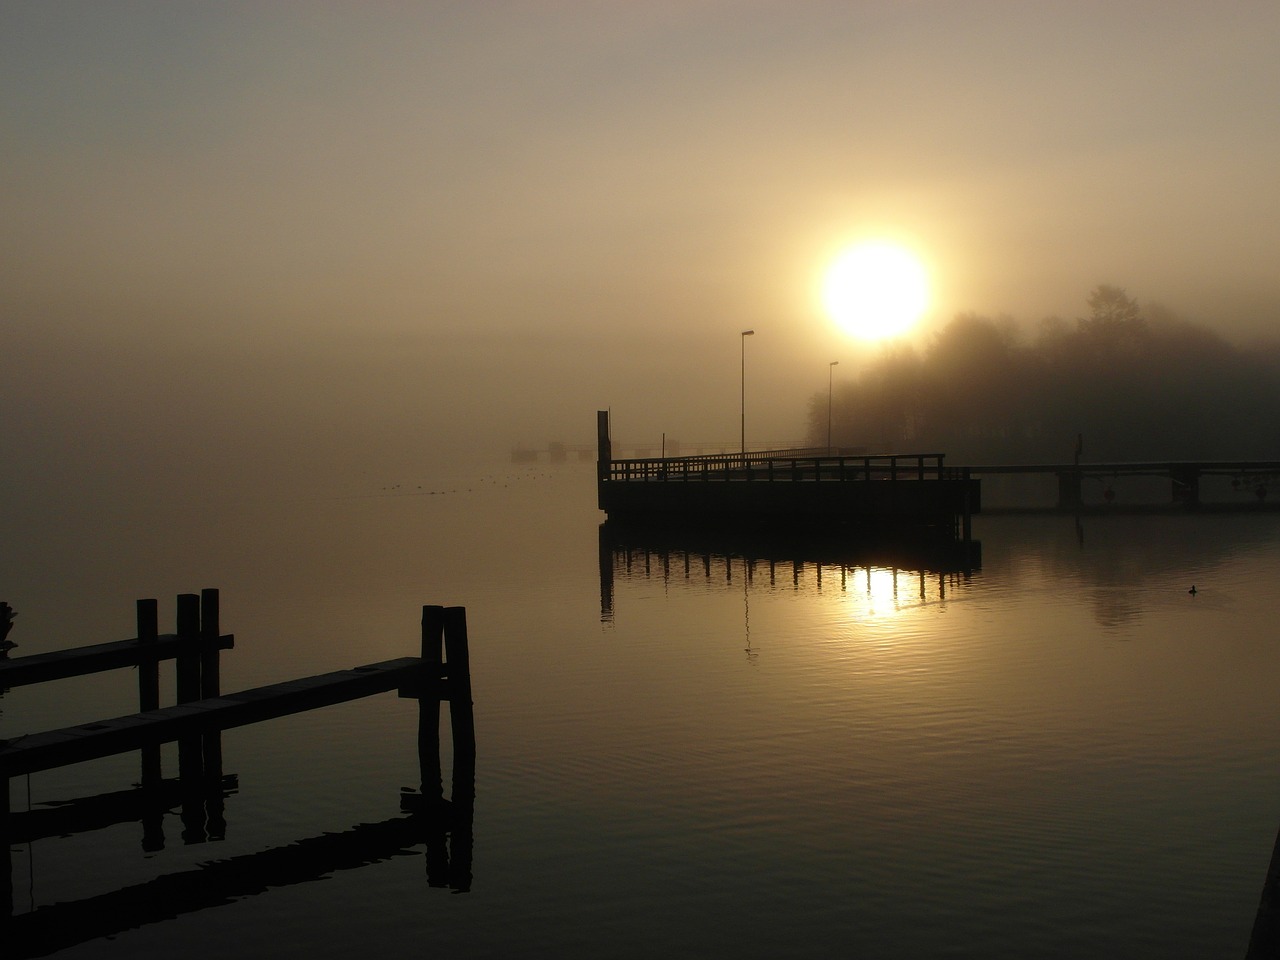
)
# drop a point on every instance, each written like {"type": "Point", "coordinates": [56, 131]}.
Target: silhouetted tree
{"type": "Point", "coordinates": [1138, 384]}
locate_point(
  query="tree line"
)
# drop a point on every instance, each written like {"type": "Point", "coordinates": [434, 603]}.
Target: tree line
{"type": "Point", "coordinates": [1134, 383]}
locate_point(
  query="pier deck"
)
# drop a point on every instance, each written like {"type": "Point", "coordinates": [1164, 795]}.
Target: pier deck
{"type": "Point", "coordinates": [806, 487]}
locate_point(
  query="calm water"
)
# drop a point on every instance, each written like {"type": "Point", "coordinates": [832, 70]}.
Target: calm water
{"type": "Point", "coordinates": [1059, 753]}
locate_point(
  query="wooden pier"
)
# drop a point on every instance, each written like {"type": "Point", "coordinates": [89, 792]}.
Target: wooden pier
{"type": "Point", "coordinates": [196, 721]}
{"type": "Point", "coordinates": [801, 487]}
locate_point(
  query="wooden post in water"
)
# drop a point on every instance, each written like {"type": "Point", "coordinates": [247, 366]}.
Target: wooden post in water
{"type": "Point", "coordinates": [210, 679]}
{"type": "Point", "coordinates": [191, 748]}
{"type": "Point", "coordinates": [462, 720]}
{"type": "Point", "coordinates": [432, 787]}
{"type": "Point", "coordinates": [210, 688]}
{"type": "Point", "coordinates": [458, 661]}
{"type": "Point", "coordinates": [149, 686]}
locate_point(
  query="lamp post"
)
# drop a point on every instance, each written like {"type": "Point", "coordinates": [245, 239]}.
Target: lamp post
{"type": "Point", "coordinates": [831, 369]}
{"type": "Point", "coordinates": [742, 400]}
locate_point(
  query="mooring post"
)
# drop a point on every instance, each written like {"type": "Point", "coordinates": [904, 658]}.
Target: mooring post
{"type": "Point", "coordinates": [462, 720]}
{"type": "Point", "coordinates": [210, 688]}
{"type": "Point", "coordinates": [191, 748]}
{"type": "Point", "coordinates": [458, 660]}
{"type": "Point", "coordinates": [210, 680]}
{"type": "Point", "coordinates": [432, 785]}
{"type": "Point", "coordinates": [149, 686]}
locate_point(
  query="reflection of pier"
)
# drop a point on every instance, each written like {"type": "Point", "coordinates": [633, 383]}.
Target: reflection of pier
{"type": "Point", "coordinates": [447, 837]}
{"type": "Point", "coordinates": [441, 673]}
{"type": "Point", "coordinates": [787, 555]}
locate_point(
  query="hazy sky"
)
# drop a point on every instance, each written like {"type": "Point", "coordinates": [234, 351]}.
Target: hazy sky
{"type": "Point", "coordinates": [257, 237]}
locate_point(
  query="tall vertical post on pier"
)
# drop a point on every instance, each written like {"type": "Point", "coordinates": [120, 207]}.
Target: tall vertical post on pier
{"type": "Point", "coordinates": [604, 455]}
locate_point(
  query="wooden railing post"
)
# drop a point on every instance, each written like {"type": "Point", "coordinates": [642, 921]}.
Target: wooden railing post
{"type": "Point", "coordinates": [431, 785]}
{"type": "Point", "coordinates": [211, 688]}
{"type": "Point", "coordinates": [190, 749]}
{"type": "Point", "coordinates": [149, 685]}
{"type": "Point", "coordinates": [458, 661]}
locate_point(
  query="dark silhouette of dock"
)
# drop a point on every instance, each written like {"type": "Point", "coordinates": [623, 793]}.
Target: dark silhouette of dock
{"type": "Point", "coordinates": [441, 673]}
{"type": "Point", "coordinates": [807, 487]}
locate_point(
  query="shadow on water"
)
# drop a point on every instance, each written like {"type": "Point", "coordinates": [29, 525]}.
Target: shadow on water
{"type": "Point", "coordinates": [443, 827]}
{"type": "Point", "coordinates": [642, 550]}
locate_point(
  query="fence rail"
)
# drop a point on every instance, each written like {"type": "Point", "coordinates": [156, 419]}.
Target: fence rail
{"type": "Point", "coordinates": [785, 466]}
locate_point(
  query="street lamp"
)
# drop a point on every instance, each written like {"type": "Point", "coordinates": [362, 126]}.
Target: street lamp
{"type": "Point", "coordinates": [831, 369]}
{"type": "Point", "coordinates": [742, 406]}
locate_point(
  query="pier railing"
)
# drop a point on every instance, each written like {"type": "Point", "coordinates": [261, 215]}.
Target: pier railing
{"type": "Point", "coordinates": [784, 466]}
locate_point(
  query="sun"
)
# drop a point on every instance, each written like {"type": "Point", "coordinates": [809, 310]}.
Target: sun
{"type": "Point", "coordinates": [876, 290]}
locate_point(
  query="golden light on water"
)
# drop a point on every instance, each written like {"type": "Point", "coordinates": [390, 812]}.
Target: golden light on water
{"type": "Point", "coordinates": [876, 290]}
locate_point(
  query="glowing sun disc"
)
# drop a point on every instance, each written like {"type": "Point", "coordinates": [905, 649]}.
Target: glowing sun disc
{"type": "Point", "coordinates": [875, 290]}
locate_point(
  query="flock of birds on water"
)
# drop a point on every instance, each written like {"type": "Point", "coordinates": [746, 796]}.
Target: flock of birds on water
{"type": "Point", "coordinates": [492, 481]}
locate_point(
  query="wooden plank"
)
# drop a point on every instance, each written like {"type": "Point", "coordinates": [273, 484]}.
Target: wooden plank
{"type": "Point", "coordinates": [89, 741]}
{"type": "Point", "coordinates": [95, 658]}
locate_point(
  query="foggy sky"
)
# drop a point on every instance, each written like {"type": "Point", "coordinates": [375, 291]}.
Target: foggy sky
{"type": "Point", "coordinates": [245, 241]}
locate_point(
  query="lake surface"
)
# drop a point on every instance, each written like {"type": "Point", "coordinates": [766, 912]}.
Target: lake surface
{"type": "Point", "coordinates": [687, 749]}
